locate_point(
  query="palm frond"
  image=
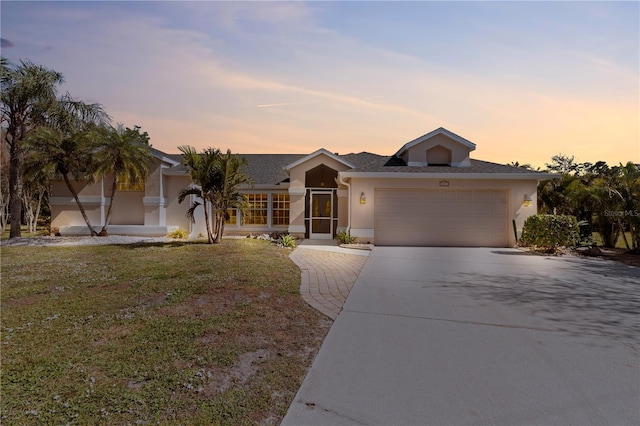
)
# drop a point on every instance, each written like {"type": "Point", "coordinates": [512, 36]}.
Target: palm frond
{"type": "Point", "coordinates": [191, 211]}
{"type": "Point", "coordinates": [184, 193]}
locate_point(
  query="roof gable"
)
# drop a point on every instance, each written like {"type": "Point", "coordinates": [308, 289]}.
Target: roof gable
{"type": "Point", "coordinates": [321, 151]}
{"type": "Point", "coordinates": [439, 131]}
{"type": "Point", "coordinates": [163, 157]}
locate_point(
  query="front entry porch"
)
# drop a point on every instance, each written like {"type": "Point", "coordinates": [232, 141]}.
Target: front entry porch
{"type": "Point", "coordinates": [318, 203]}
{"type": "Point", "coordinates": [323, 215]}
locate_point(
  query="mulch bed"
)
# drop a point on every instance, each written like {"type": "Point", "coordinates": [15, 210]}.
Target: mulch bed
{"type": "Point", "coordinates": [622, 256]}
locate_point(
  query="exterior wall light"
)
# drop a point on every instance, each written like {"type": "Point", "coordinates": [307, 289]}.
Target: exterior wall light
{"type": "Point", "coordinates": [444, 183]}
{"type": "Point", "coordinates": [527, 200]}
{"type": "Point", "coordinates": [363, 199]}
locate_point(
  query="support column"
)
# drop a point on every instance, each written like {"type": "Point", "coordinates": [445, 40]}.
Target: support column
{"type": "Point", "coordinates": [296, 212]}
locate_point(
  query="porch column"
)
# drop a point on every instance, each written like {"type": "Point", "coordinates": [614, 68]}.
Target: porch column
{"type": "Point", "coordinates": [343, 209]}
{"type": "Point", "coordinates": [296, 211]}
{"type": "Point", "coordinates": [155, 211]}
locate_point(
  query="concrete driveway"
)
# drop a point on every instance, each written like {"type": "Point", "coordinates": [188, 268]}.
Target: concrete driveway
{"type": "Point", "coordinates": [452, 336]}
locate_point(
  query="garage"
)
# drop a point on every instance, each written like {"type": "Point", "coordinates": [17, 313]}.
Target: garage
{"type": "Point", "coordinates": [441, 217]}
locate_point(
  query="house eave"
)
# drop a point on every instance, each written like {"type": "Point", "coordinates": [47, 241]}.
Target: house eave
{"type": "Point", "coordinates": [165, 159]}
{"type": "Point", "coordinates": [314, 154]}
{"type": "Point", "coordinates": [414, 175]}
{"type": "Point", "coordinates": [282, 186]}
{"type": "Point", "coordinates": [173, 172]}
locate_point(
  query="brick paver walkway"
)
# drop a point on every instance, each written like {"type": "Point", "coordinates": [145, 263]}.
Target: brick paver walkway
{"type": "Point", "coordinates": [328, 275]}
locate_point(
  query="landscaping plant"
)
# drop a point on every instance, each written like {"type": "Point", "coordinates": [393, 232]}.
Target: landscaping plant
{"type": "Point", "coordinates": [549, 232]}
{"type": "Point", "coordinates": [287, 241]}
{"type": "Point", "coordinates": [179, 234]}
{"type": "Point", "coordinates": [344, 238]}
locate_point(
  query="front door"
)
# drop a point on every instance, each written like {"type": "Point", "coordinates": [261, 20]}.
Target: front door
{"type": "Point", "coordinates": [321, 216]}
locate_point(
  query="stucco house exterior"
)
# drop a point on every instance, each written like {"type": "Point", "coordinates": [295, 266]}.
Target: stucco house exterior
{"type": "Point", "coordinates": [430, 192]}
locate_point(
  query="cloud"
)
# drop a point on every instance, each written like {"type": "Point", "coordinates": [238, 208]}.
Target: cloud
{"type": "Point", "coordinates": [258, 77]}
{"type": "Point", "coordinates": [4, 43]}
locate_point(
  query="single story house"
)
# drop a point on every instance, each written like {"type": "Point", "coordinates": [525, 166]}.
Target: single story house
{"type": "Point", "coordinates": [429, 193]}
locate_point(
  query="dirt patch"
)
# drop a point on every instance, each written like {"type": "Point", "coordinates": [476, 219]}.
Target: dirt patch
{"type": "Point", "coordinates": [214, 301]}
{"type": "Point", "coordinates": [155, 300]}
{"type": "Point", "coordinates": [112, 333]}
{"type": "Point", "coordinates": [620, 255]}
{"type": "Point", "coordinates": [245, 367]}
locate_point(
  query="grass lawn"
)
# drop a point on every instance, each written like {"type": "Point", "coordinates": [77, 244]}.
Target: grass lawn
{"type": "Point", "coordinates": [619, 244]}
{"type": "Point", "coordinates": [172, 333]}
{"type": "Point", "coordinates": [40, 231]}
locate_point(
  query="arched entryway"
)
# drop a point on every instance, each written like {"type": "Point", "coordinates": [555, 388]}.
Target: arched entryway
{"type": "Point", "coordinates": [321, 202]}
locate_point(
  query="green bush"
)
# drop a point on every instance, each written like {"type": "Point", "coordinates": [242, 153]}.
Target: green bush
{"type": "Point", "coordinates": [180, 234]}
{"type": "Point", "coordinates": [344, 238]}
{"type": "Point", "coordinates": [287, 240]}
{"type": "Point", "coordinates": [550, 231]}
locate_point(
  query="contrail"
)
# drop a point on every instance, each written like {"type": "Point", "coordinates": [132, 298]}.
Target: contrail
{"type": "Point", "coordinates": [274, 105]}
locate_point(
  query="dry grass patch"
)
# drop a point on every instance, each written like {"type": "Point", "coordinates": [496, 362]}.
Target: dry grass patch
{"type": "Point", "coordinates": [175, 333]}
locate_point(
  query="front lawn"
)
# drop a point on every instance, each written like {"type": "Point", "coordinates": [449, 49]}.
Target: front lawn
{"type": "Point", "coordinates": [619, 244]}
{"type": "Point", "coordinates": [171, 333]}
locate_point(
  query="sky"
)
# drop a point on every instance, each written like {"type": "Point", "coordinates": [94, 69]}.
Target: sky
{"type": "Point", "coordinates": [524, 81]}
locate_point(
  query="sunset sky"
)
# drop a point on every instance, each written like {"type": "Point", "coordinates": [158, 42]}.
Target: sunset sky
{"type": "Point", "coordinates": [522, 80]}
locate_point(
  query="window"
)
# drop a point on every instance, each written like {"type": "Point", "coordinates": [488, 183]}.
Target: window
{"type": "Point", "coordinates": [256, 212]}
{"type": "Point", "coordinates": [233, 217]}
{"type": "Point", "coordinates": [130, 186]}
{"type": "Point", "coordinates": [280, 209]}
{"type": "Point", "coordinates": [439, 156]}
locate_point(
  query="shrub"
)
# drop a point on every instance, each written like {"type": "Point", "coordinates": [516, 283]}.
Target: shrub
{"type": "Point", "coordinates": [549, 231]}
{"type": "Point", "coordinates": [178, 234]}
{"type": "Point", "coordinates": [287, 240]}
{"type": "Point", "coordinates": [345, 238]}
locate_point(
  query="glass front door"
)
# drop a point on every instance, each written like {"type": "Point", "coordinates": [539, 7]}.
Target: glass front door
{"type": "Point", "coordinates": [321, 217]}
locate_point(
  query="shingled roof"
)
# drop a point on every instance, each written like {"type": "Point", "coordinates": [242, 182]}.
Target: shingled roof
{"type": "Point", "coordinates": [269, 169]}
{"type": "Point", "coordinates": [395, 164]}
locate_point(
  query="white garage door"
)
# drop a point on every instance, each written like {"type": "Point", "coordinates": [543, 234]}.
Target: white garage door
{"type": "Point", "coordinates": [442, 217]}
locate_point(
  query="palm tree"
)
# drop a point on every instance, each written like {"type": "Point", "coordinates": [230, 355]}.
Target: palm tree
{"type": "Point", "coordinates": [204, 172]}
{"type": "Point", "coordinates": [629, 189]}
{"type": "Point", "coordinates": [36, 177]}
{"type": "Point", "coordinates": [124, 152]}
{"type": "Point", "coordinates": [28, 94]}
{"type": "Point", "coordinates": [225, 192]}
{"type": "Point", "coordinates": [554, 195]}
{"type": "Point", "coordinates": [4, 184]}
{"type": "Point", "coordinates": [604, 190]}
{"type": "Point", "coordinates": [523, 166]}
{"type": "Point", "coordinates": [69, 153]}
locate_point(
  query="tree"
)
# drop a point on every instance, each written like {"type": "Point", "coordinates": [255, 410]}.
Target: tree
{"type": "Point", "coordinates": [629, 190]}
{"type": "Point", "coordinates": [216, 181]}
{"type": "Point", "coordinates": [607, 197]}
{"type": "Point", "coordinates": [69, 153]}
{"type": "Point", "coordinates": [564, 164]}
{"type": "Point", "coordinates": [226, 190]}
{"type": "Point", "coordinates": [124, 152]}
{"type": "Point", "coordinates": [203, 170]}
{"type": "Point", "coordinates": [27, 96]}
{"type": "Point", "coordinates": [554, 195]}
{"type": "Point", "coordinates": [523, 166]}
{"type": "Point", "coordinates": [599, 168]}
{"type": "Point", "coordinates": [36, 177]}
{"type": "Point", "coordinates": [4, 185]}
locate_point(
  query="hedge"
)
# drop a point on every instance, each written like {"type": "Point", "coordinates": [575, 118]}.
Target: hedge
{"type": "Point", "coordinates": [548, 230]}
